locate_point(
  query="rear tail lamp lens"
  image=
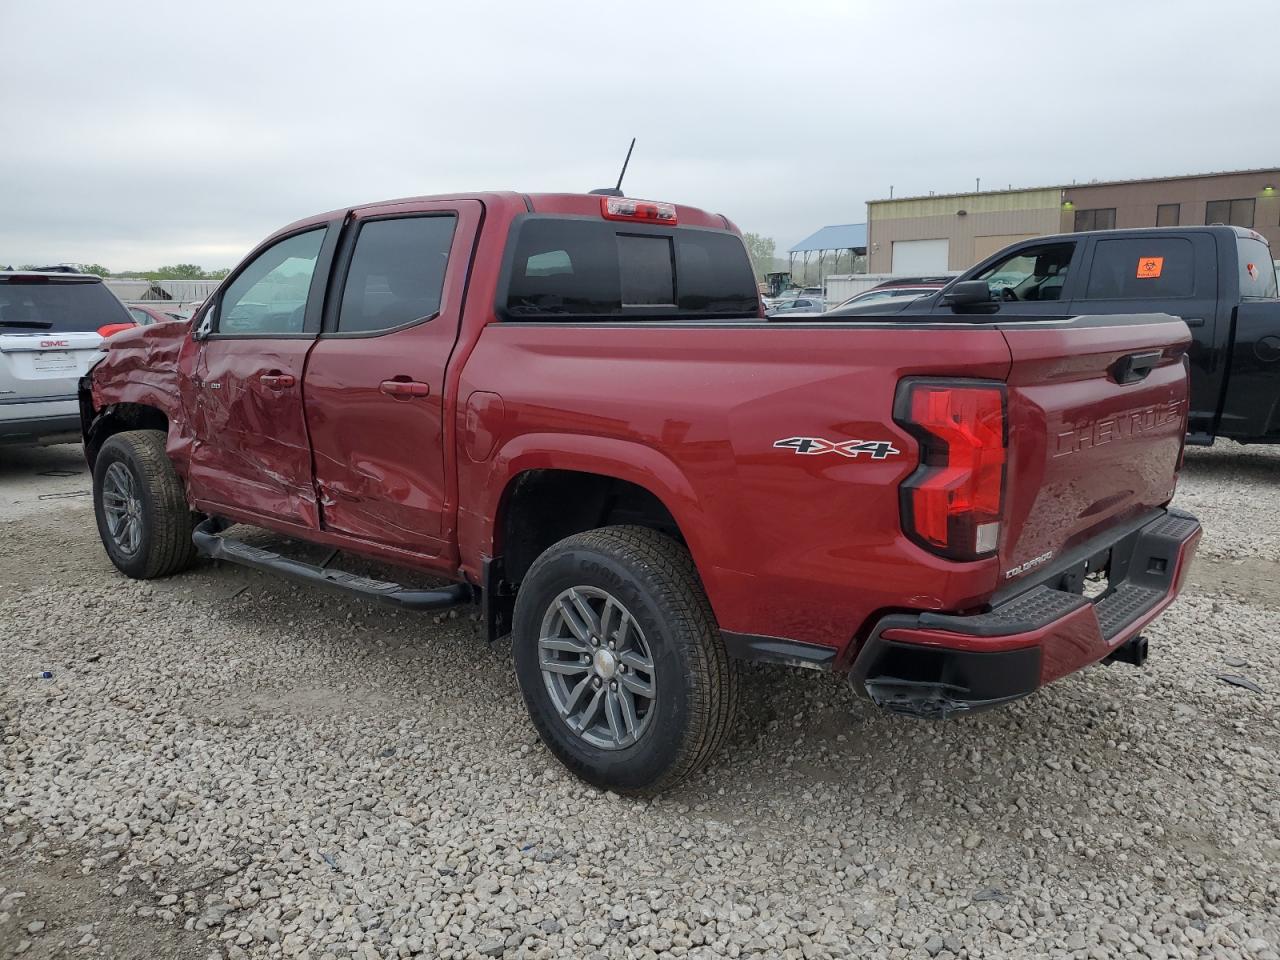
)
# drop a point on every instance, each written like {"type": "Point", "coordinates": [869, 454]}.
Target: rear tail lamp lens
{"type": "Point", "coordinates": [110, 328]}
{"type": "Point", "coordinates": [644, 211]}
{"type": "Point", "coordinates": [953, 503]}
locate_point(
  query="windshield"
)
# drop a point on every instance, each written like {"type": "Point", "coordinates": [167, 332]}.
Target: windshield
{"type": "Point", "coordinates": [62, 306]}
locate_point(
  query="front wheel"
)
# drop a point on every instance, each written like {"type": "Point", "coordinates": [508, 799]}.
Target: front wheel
{"type": "Point", "coordinates": [620, 660]}
{"type": "Point", "coordinates": [142, 513]}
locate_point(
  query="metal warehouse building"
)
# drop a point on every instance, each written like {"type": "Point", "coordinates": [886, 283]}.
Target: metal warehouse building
{"type": "Point", "coordinates": [919, 235]}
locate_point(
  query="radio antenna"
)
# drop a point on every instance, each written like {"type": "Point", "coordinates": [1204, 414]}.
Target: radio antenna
{"type": "Point", "coordinates": [616, 191]}
{"type": "Point", "coordinates": [624, 165]}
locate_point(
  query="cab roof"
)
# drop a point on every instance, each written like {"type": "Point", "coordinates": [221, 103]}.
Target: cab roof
{"type": "Point", "coordinates": [565, 204]}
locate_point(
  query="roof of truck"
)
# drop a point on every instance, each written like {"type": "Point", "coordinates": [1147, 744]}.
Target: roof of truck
{"type": "Point", "coordinates": [562, 203]}
{"type": "Point", "coordinates": [1244, 232]}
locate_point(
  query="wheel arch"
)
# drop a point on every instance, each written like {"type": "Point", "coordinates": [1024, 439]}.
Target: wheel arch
{"type": "Point", "coordinates": [544, 493]}
{"type": "Point", "coordinates": [117, 418]}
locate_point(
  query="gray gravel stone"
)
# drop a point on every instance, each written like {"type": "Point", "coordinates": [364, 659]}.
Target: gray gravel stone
{"type": "Point", "coordinates": [291, 773]}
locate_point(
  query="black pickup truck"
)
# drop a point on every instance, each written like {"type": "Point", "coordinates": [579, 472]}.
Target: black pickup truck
{"type": "Point", "coordinates": [1220, 280]}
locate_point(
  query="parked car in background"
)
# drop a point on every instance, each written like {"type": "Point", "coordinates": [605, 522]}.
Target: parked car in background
{"type": "Point", "coordinates": [805, 305]}
{"type": "Point", "coordinates": [885, 291]}
{"type": "Point", "coordinates": [570, 406]}
{"type": "Point", "coordinates": [52, 325]}
{"type": "Point", "coordinates": [145, 314]}
{"type": "Point", "coordinates": [1221, 280]}
{"type": "Point", "coordinates": [795, 293]}
{"type": "Point", "coordinates": [892, 292]}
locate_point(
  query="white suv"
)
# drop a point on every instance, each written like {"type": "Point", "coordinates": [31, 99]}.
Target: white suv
{"type": "Point", "coordinates": [52, 325]}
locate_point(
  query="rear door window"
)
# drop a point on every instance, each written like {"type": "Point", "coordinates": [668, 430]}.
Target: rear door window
{"type": "Point", "coordinates": [38, 304]}
{"type": "Point", "coordinates": [1257, 270]}
{"type": "Point", "coordinates": [1145, 268]}
{"type": "Point", "coordinates": [396, 274]}
{"type": "Point", "coordinates": [584, 269]}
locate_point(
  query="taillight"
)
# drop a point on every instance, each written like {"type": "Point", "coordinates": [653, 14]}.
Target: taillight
{"type": "Point", "coordinates": [110, 328]}
{"type": "Point", "coordinates": [953, 504]}
{"type": "Point", "coordinates": [645, 211]}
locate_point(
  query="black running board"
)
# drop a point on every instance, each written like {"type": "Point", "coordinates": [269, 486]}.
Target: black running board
{"type": "Point", "coordinates": [208, 539]}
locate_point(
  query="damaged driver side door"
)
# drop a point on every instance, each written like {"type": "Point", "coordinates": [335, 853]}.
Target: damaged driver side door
{"type": "Point", "coordinates": [251, 449]}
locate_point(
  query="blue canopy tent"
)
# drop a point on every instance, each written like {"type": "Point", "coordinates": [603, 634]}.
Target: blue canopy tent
{"type": "Point", "coordinates": [836, 240]}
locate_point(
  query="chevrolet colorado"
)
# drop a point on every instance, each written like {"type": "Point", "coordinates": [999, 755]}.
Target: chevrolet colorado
{"type": "Point", "coordinates": [572, 407]}
{"type": "Point", "coordinates": [1220, 280]}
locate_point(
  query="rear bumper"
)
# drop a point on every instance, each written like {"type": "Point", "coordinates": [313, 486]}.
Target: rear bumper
{"type": "Point", "coordinates": [29, 423]}
{"type": "Point", "coordinates": [934, 665]}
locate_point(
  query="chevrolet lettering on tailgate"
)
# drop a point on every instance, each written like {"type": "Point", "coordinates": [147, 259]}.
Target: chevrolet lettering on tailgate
{"type": "Point", "coordinates": [1120, 426]}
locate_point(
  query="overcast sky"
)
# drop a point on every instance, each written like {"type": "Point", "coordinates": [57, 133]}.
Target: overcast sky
{"type": "Point", "coordinates": [134, 134]}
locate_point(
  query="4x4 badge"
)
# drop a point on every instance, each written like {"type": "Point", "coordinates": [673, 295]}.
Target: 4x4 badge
{"type": "Point", "coordinates": [811, 446]}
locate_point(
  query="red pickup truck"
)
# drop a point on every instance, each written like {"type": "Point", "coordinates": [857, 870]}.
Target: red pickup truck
{"type": "Point", "coordinates": [571, 407]}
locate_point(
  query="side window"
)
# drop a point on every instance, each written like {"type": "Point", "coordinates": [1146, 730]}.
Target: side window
{"type": "Point", "coordinates": [1142, 269]}
{"type": "Point", "coordinates": [270, 294]}
{"type": "Point", "coordinates": [140, 317]}
{"type": "Point", "coordinates": [1032, 274]}
{"type": "Point", "coordinates": [396, 274]}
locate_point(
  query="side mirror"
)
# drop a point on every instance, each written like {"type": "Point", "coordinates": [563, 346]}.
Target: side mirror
{"type": "Point", "coordinates": [205, 325]}
{"type": "Point", "coordinates": [966, 293]}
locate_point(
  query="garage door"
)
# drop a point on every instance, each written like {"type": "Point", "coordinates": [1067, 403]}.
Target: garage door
{"type": "Point", "coordinates": [984, 247]}
{"type": "Point", "coordinates": [919, 257]}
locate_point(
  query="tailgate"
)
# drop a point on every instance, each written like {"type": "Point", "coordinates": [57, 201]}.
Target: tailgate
{"type": "Point", "coordinates": [1097, 415]}
{"type": "Point", "coordinates": [44, 364]}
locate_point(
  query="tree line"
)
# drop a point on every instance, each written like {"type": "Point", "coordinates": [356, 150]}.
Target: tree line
{"type": "Point", "coordinates": [177, 271]}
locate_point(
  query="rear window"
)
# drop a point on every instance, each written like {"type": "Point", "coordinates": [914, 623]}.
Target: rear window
{"type": "Point", "coordinates": [587, 269]}
{"type": "Point", "coordinates": [1257, 270]}
{"type": "Point", "coordinates": [1146, 268]}
{"type": "Point", "coordinates": [63, 306]}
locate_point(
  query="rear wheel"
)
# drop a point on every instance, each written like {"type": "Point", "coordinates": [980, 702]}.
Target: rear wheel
{"type": "Point", "coordinates": [140, 506]}
{"type": "Point", "coordinates": [620, 660]}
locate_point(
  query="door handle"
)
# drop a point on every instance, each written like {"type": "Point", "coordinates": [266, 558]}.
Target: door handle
{"type": "Point", "coordinates": [405, 389]}
{"type": "Point", "coordinates": [1134, 366]}
{"type": "Point", "coordinates": [277, 381]}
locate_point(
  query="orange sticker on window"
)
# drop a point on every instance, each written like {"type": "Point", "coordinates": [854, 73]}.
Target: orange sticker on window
{"type": "Point", "coordinates": [1150, 267]}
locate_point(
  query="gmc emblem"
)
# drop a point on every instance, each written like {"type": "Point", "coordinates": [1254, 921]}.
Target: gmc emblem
{"type": "Point", "coordinates": [46, 344]}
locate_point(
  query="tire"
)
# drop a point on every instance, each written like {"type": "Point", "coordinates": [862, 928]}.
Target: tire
{"type": "Point", "coordinates": [653, 580]}
{"type": "Point", "coordinates": [160, 544]}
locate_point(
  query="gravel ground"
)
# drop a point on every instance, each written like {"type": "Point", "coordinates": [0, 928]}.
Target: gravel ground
{"type": "Point", "coordinates": [226, 765]}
